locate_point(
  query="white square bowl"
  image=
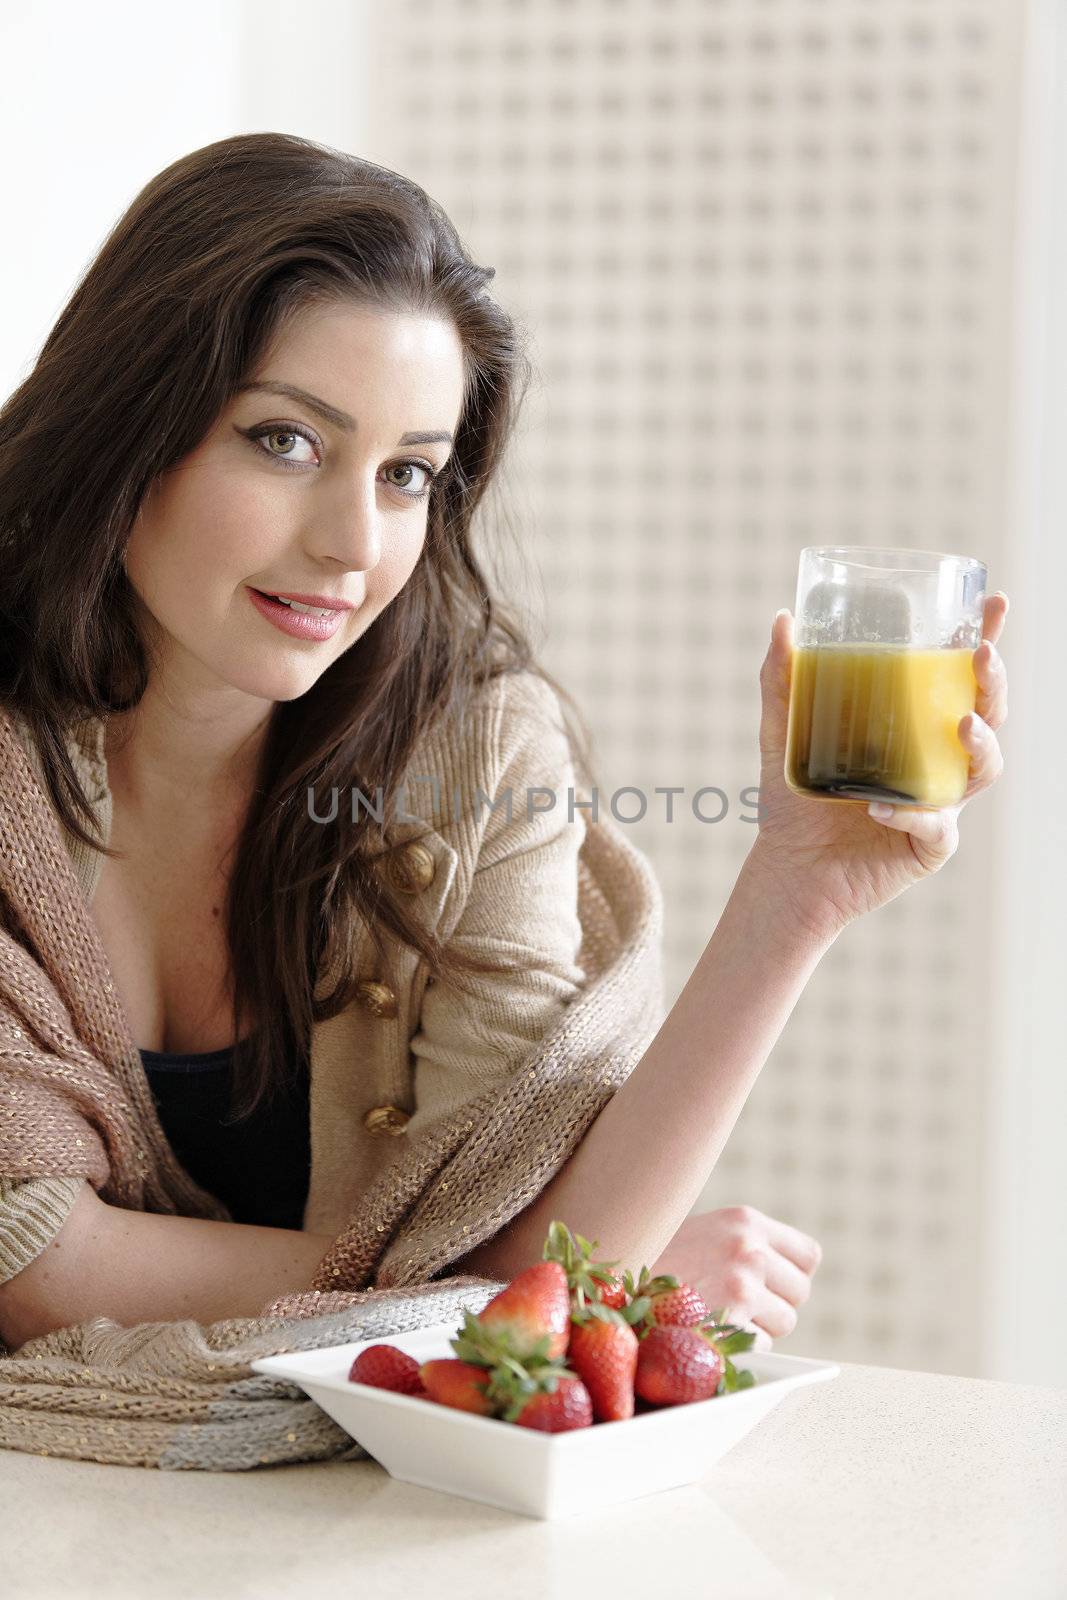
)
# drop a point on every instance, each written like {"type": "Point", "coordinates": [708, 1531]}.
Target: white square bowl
{"type": "Point", "coordinates": [521, 1469]}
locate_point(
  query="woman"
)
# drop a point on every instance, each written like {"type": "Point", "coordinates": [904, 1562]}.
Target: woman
{"type": "Point", "coordinates": [237, 493]}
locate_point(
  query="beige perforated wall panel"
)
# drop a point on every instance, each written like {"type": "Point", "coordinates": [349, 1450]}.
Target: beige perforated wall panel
{"type": "Point", "coordinates": [764, 253]}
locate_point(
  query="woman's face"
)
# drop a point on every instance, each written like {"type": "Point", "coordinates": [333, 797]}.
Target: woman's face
{"type": "Point", "coordinates": [282, 499]}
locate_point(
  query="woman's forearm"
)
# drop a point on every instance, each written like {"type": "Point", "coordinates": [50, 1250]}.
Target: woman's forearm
{"type": "Point", "coordinates": [643, 1163]}
{"type": "Point", "coordinates": [137, 1266]}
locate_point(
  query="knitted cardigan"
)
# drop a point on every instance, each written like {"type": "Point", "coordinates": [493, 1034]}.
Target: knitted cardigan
{"type": "Point", "coordinates": [502, 1088]}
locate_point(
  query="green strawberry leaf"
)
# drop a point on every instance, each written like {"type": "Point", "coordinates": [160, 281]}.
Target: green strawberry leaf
{"type": "Point", "coordinates": [486, 1346]}
{"type": "Point", "coordinates": [734, 1343]}
{"type": "Point", "coordinates": [734, 1378]}
{"type": "Point", "coordinates": [636, 1310]}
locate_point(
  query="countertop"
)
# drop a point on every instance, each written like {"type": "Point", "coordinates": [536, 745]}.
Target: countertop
{"type": "Point", "coordinates": [881, 1482]}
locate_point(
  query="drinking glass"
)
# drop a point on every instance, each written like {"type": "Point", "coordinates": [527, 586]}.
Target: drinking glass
{"type": "Point", "coordinates": [882, 674]}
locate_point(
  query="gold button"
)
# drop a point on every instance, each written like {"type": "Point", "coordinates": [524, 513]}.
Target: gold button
{"type": "Point", "coordinates": [386, 1119]}
{"type": "Point", "coordinates": [377, 997]}
{"type": "Point", "coordinates": [411, 868]}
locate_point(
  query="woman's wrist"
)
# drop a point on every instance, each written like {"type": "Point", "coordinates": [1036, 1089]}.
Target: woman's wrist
{"type": "Point", "coordinates": [792, 910]}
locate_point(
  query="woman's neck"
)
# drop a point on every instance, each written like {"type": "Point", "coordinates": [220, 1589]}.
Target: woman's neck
{"type": "Point", "coordinates": [164, 761]}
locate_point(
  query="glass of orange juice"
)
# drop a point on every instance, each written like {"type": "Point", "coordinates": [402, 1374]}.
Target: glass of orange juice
{"type": "Point", "coordinates": [882, 674]}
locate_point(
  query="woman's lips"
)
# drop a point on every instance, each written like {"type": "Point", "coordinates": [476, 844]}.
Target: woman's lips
{"type": "Point", "coordinates": [296, 623]}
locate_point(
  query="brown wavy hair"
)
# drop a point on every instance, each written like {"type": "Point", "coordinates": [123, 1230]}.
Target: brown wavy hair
{"type": "Point", "coordinates": [174, 313]}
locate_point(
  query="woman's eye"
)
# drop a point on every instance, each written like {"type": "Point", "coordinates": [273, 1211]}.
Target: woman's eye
{"type": "Point", "coordinates": [410, 467]}
{"type": "Point", "coordinates": [291, 439]}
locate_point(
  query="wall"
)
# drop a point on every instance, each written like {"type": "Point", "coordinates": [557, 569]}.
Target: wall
{"type": "Point", "coordinates": [95, 100]}
{"type": "Point", "coordinates": [1024, 1221]}
{"type": "Point", "coordinates": [766, 256]}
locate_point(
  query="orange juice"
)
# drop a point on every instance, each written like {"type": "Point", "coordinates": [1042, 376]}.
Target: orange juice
{"type": "Point", "coordinates": [878, 722]}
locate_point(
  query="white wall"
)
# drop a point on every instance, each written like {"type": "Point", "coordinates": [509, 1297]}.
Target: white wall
{"type": "Point", "coordinates": [93, 101]}
{"type": "Point", "coordinates": [768, 255]}
{"type": "Point", "coordinates": [1025, 1308]}
{"type": "Point", "coordinates": [96, 99]}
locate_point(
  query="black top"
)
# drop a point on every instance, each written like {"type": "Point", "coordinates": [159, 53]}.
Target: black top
{"type": "Point", "coordinates": [259, 1167]}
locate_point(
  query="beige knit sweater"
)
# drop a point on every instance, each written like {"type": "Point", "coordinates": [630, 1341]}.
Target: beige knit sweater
{"type": "Point", "coordinates": [435, 1117]}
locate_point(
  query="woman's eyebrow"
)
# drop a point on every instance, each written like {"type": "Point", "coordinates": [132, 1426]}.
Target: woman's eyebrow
{"type": "Point", "coordinates": [340, 419]}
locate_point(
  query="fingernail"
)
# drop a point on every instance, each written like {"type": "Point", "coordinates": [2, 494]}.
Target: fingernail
{"type": "Point", "coordinates": [880, 812]}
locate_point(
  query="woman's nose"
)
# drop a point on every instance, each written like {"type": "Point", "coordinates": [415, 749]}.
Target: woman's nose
{"type": "Point", "coordinates": [352, 534]}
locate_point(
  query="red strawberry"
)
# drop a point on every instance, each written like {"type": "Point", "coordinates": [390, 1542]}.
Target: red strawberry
{"type": "Point", "coordinates": [603, 1352]}
{"type": "Point", "coordinates": [612, 1293]}
{"type": "Point", "coordinates": [729, 1340]}
{"type": "Point", "coordinates": [675, 1365]}
{"type": "Point", "coordinates": [533, 1308]}
{"type": "Point", "coordinates": [383, 1366]}
{"type": "Point", "coordinates": [683, 1307]}
{"type": "Point", "coordinates": [567, 1406]}
{"type": "Point", "coordinates": [457, 1383]}
{"type": "Point", "coordinates": [588, 1281]}
{"type": "Point", "coordinates": [670, 1303]}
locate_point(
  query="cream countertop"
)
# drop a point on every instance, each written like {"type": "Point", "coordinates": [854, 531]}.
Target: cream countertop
{"type": "Point", "coordinates": [879, 1483]}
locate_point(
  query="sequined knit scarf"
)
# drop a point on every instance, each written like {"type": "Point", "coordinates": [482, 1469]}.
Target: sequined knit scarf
{"type": "Point", "coordinates": [74, 1101]}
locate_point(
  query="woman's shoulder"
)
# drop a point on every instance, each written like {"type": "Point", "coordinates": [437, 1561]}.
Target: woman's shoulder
{"type": "Point", "coordinates": [524, 691]}
{"type": "Point", "coordinates": [507, 737]}
{"type": "Point", "coordinates": [500, 715]}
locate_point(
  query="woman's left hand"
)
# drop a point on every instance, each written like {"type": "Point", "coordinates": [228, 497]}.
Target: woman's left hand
{"type": "Point", "coordinates": [739, 1258]}
{"type": "Point", "coordinates": [834, 862]}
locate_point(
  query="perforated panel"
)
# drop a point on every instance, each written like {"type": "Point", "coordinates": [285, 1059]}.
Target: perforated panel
{"type": "Point", "coordinates": [763, 249]}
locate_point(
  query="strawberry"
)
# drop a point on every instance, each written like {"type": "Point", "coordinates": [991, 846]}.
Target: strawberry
{"type": "Point", "coordinates": [729, 1339]}
{"type": "Point", "coordinates": [530, 1318]}
{"type": "Point", "coordinates": [683, 1307]}
{"type": "Point", "coordinates": [671, 1304]}
{"type": "Point", "coordinates": [383, 1366]}
{"type": "Point", "coordinates": [613, 1293]}
{"type": "Point", "coordinates": [537, 1392]}
{"type": "Point", "coordinates": [567, 1406]}
{"type": "Point", "coordinates": [457, 1383]}
{"type": "Point", "coordinates": [588, 1281]}
{"type": "Point", "coordinates": [675, 1365]}
{"type": "Point", "coordinates": [603, 1352]}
